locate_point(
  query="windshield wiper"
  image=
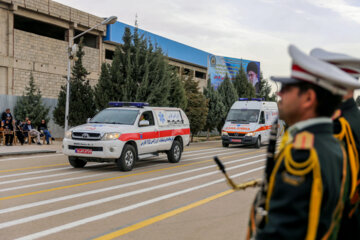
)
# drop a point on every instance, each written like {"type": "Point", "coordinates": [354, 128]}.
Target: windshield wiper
{"type": "Point", "coordinates": [238, 120]}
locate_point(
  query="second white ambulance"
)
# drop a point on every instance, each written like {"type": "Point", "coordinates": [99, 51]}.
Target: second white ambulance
{"type": "Point", "coordinates": [249, 122]}
{"type": "Point", "coordinates": [126, 132]}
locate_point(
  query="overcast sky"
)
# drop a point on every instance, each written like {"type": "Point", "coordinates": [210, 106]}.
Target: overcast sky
{"type": "Point", "coordinates": [259, 30]}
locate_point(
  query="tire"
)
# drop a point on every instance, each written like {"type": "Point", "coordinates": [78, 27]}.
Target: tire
{"type": "Point", "coordinates": [258, 143]}
{"type": "Point", "coordinates": [224, 144]}
{"type": "Point", "coordinates": [127, 160]}
{"type": "Point", "coordinates": [174, 155]}
{"type": "Point", "coordinates": [77, 162]}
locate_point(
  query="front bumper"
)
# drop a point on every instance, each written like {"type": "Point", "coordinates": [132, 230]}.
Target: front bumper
{"type": "Point", "coordinates": [93, 149]}
{"type": "Point", "coordinates": [246, 140]}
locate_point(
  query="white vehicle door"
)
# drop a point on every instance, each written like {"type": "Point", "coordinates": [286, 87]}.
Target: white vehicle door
{"type": "Point", "coordinates": [148, 135]}
{"type": "Point", "coordinates": [263, 128]}
{"type": "Point", "coordinates": [166, 120]}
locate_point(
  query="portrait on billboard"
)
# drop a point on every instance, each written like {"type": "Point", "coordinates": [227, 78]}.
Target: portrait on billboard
{"type": "Point", "coordinates": [252, 72]}
{"type": "Point", "coordinates": [219, 67]}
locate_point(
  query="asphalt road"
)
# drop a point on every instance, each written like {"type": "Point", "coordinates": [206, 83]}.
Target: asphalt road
{"type": "Point", "coordinates": [43, 197]}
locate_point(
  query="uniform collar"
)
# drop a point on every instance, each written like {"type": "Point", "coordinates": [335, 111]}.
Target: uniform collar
{"type": "Point", "coordinates": [300, 126]}
{"type": "Point", "coordinates": [350, 103]}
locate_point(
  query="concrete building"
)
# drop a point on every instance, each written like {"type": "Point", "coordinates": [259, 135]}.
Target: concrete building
{"type": "Point", "coordinates": [34, 37]}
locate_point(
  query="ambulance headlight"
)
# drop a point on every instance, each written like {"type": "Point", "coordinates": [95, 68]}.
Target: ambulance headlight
{"type": "Point", "coordinates": [68, 134]}
{"type": "Point", "coordinates": [250, 134]}
{"type": "Point", "coordinates": [111, 136]}
{"type": "Point", "coordinates": [224, 133]}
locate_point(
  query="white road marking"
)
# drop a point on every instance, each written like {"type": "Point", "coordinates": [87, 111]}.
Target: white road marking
{"type": "Point", "coordinates": [202, 150]}
{"type": "Point", "coordinates": [48, 201]}
{"type": "Point", "coordinates": [125, 209]}
{"type": "Point", "coordinates": [46, 170]}
{"type": "Point", "coordinates": [38, 156]}
{"type": "Point", "coordinates": [112, 198]}
{"type": "Point", "coordinates": [69, 179]}
{"type": "Point", "coordinates": [50, 182]}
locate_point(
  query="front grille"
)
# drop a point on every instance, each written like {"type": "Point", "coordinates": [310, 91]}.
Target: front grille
{"type": "Point", "coordinates": [236, 134]}
{"type": "Point", "coordinates": [86, 136]}
{"type": "Point", "coordinates": [95, 149]}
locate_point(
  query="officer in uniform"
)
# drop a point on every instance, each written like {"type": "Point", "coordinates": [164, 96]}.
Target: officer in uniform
{"type": "Point", "coordinates": [347, 129]}
{"type": "Point", "coordinates": [303, 196]}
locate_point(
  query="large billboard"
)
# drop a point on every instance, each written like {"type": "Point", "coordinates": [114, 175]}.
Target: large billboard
{"type": "Point", "coordinates": [219, 66]}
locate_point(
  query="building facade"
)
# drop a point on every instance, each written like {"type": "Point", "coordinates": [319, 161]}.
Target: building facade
{"type": "Point", "coordinates": [34, 38]}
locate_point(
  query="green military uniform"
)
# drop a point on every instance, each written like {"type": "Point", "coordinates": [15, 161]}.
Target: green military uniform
{"type": "Point", "coordinates": [351, 113]}
{"type": "Point", "coordinates": [307, 187]}
{"type": "Point", "coordinates": [347, 129]}
{"type": "Point", "coordinates": [350, 226]}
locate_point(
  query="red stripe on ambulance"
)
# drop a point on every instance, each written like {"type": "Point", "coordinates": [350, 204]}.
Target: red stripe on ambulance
{"type": "Point", "coordinates": [155, 134]}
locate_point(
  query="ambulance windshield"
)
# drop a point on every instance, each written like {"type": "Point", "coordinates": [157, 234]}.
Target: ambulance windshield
{"type": "Point", "coordinates": [243, 115]}
{"type": "Point", "coordinates": [116, 116]}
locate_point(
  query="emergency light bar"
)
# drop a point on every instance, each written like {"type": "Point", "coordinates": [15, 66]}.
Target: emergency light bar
{"type": "Point", "coordinates": [251, 99]}
{"type": "Point", "coordinates": [128, 104]}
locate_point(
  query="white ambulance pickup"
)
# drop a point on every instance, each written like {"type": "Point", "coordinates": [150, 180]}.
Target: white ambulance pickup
{"type": "Point", "coordinates": [249, 122]}
{"type": "Point", "coordinates": [126, 132]}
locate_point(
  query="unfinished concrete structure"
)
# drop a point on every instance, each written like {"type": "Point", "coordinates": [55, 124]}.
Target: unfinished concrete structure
{"type": "Point", "coordinates": [34, 37]}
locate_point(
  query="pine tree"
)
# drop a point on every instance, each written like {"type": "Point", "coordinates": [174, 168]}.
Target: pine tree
{"type": "Point", "coordinates": [242, 86]}
{"type": "Point", "coordinates": [216, 108]}
{"type": "Point", "coordinates": [177, 95]}
{"type": "Point", "coordinates": [265, 90]}
{"type": "Point", "coordinates": [81, 99]}
{"type": "Point", "coordinates": [30, 105]}
{"type": "Point", "coordinates": [140, 72]}
{"type": "Point", "coordinates": [228, 95]}
{"type": "Point", "coordinates": [159, 84]}
{"type": "Point", "coordinates": [104, 90]}
{"type": "Point", "coordinates": [197, 109]}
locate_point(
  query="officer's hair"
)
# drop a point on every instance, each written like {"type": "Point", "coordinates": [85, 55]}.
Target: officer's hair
{"type": "Point", "coordinates": [327, 101]}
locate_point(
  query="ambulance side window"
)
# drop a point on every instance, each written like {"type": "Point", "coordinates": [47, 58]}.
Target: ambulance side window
{"type": "Point", "coordinates": [262, 118]}
{"type": "Point", "coordinates": [148, 116]}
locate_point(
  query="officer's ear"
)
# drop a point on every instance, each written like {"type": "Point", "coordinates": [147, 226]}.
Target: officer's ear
{"type": "Point", "coordinates": [309, 98]}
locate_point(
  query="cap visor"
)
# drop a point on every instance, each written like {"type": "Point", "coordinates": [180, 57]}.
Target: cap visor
{"type": "Point", "coordinates": [284, 80]}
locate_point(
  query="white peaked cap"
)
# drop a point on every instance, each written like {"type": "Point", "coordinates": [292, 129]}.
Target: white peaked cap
{"type": "Point", "coordinates": [348, 64]}
{"type": "Point", "coordinates": [310, 69]}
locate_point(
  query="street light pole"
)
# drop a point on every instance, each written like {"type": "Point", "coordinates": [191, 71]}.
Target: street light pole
{"type": "Point", "coordinates": [68, 87]}
{"type": "Point", "coordinates": [107, 21]}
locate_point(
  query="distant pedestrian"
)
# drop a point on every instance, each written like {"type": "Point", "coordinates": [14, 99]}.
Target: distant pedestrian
{"type": "Point", "coordinates": [44, 130]}
{"type": "Point", "coordinates": [19, 132]}
{"type": "Point", "coordinates": [29, 130]}
{"type": "Point", "coordinates": [8, 131]}
{"type": "Point", "coordinates": [6, 114]}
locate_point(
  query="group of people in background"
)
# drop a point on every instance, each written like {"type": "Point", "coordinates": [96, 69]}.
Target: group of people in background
{"type": "Point", "coordinates": [23, 129]}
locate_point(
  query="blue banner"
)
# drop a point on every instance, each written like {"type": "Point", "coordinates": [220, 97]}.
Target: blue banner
{"type": "Point", "coordinates": [219, 66]}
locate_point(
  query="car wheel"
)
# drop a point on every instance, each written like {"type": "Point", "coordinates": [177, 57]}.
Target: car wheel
{"type": "Point", "coordinates": [174, 155]}
{"type": "Point", "coordinates": [76, 162]}
{"type": "Point", "coordinates": [258, 143]}
{"type": "Point", "coordinates": [224, 144]}
{"type": "Point", "coordinates": [127, 160]}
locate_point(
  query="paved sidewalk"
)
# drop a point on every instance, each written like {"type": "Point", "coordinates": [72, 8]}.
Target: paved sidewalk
{"type": "Point", "coordinates": [25, 149]}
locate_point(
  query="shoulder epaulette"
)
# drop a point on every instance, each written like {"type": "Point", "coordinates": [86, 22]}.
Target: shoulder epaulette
{"type": "Point", "coordinates": [336, 114]}
{"type": "Point", "coordinates": [303, 141]}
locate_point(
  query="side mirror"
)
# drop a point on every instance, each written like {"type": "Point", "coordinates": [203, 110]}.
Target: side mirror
{"type": "Point", "coordinates": [88, 120]}
{"type": "Point", "coordinates": [143, 123]}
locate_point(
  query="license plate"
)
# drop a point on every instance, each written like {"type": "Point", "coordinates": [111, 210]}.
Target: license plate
{"type": "Point", "coordinates": [236, 140]}
{"type": "Point", "coordinates": [83, 151]}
